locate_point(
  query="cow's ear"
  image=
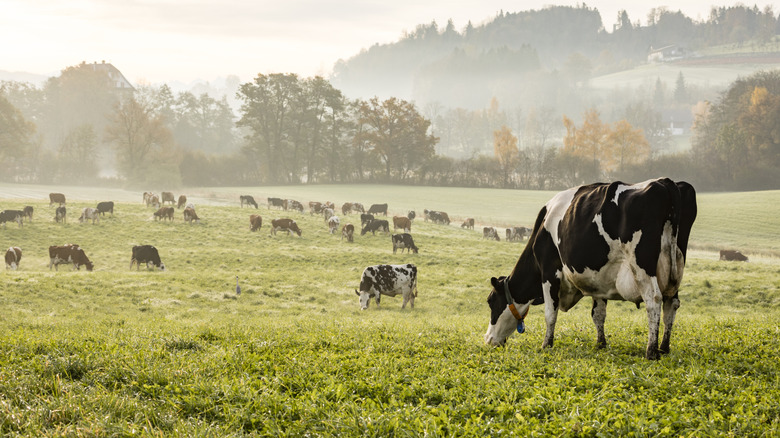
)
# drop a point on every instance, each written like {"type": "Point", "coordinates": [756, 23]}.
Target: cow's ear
{"type": "Point", "coordinates": [357, 293]}
{"type": "Point", "coordinates": [494, 282]}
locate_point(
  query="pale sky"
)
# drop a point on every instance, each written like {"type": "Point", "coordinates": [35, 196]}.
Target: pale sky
{"type": "Point", "coordinates": [185, 40]}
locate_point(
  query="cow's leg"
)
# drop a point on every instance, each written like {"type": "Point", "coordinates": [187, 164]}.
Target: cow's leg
{"type": "Point", "coordinates": [599, 315]}
{"type": "Point", "coordinates": [550, 311]}
{"type": "Point", "coordinates": [378, 298]}
{"type": "Point", "coordinates": [653, 303]}
{"type": "Point", "coordinates": [670, 312]}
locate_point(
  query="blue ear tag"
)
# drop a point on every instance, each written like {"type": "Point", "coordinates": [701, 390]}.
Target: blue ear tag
{"type": "Point", "coordinates": [520, 326]}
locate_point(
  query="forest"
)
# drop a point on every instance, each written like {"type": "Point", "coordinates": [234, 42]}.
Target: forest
{"type": "Point", "coordinates": [459, 129]}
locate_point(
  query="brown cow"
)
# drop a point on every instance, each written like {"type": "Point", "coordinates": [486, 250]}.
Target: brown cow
{"type": "Point", "coordinates": [168, 197]}
{"type": "Point", "coordinates": [189, 215]}
{"type": "Point", "coordinates": [468, 223]}
{"type": "Point", "coordinates": [153, 201]}
{"type": "Point", "coordinates": [731, 255]}
{"type": "Point", "coordinates": [315, 207]}
{"type": "Point", "coordinates": [182, 201]}
{"type": "Point", "coordinates": [164, 213]}
{"type": "Point", "coordinates": [66, 254]}
{"type": "Point", "coordinates": [28, 212]}
{"type": "Point", "coordinates": [285, 224]}
{"type": "Point", "coordinates": [12, 257]}
{"type": "Point", "coordinates": [58, 198]}
{"type": "Point", "coordinates": [348, 231]}
{"type": "Point", "coordinates": [255, 222]}
{"type": "Point", "coordinates": [402, 222]}
{"type": "Point", "coordinates": [346, 208]}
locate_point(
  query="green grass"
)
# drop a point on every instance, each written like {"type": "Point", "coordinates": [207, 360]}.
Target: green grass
{"type": "Point", "coordinates": [120, 352]}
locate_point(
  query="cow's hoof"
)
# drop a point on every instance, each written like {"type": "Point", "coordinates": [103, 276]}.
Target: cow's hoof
{"type": "Point", "coordinates": [652, 354]}
{"type": "Point", "coordinates": [601, 345]}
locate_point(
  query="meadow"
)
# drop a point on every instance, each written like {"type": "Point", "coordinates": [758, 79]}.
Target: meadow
{"type": "Point", "coordinates": [120, 352]}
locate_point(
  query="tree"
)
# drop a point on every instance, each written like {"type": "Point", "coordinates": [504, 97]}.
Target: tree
{"type": "Point", "coordinates": [680, 92]}
{"type": "Point", "coordinates": [137, 134]}
{"type": "Point", "coordinates": [625, 146]}
{"type": "Point", "coordinates": [506, 151]}
{"type": "Point", "coordinates": [78, 152]}
{"type": "Point", "coordinates": [15, 131]}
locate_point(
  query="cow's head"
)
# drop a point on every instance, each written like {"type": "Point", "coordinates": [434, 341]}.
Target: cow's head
{"type": "Point", "coordinates": [503, 321]}
{"type": "Point", "coordinates": [162, 266]}
{"type": "Point", "coordinates": [364, 298]}
{"type": "Point", "coordinates": [89, 265]}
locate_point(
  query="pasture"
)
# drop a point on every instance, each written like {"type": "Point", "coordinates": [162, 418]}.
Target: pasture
{"type": "Point", "coordinates": [178, 353]}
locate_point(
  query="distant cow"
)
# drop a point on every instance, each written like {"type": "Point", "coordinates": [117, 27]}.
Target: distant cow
{"type": "Point", "coordinates": [147, 196]}
{"type": "Point", "coordinates": [315, 207]}
{"type": "Point", "coordinates": [89, 213]}
{"type": "Point", "coordinates": [348, 231]}
{"type": "Point", "coordinates": [248, 200]}
{"type": "Point", "coordinates": [490, 233]}
{"type": "Point", "coordinates": [389, 280]}
{"type": "Point", "coordinates": [276, 202]}
{"type": "Point", "coordinates": [402, 222]}
{"type": "Point", "coordinates": [60, 215]}
{"type": "Point", "coordinates": [516, 234]}
{"type": "Point", "coordinates": [374, 226]}
{"type": "Point", "coordinates": [56, 198]}
{"type": "Point", "coordinates": [468, 223]}
{"type": "Point", "coordinates": [182, 201]}
{"type": "Point", "coordinates": [437, 217]}
{"type": "Point", "coordinates": [168, 197]}
{"type": "Point", "coordinates": [411, 215]}
{"type": "Point", "coordinates": [365, 218]}
{"type": "Point", "coordinates": [105, 207]}
{"type": "Point", "coordinates": [11, 216]}
{"type": "Point", "coordinates": [68, 254]}
{"type": "Point", "coordinates": [333, 224]}
{"type": "Point", "coordinates": [404, 241]}
{"type": "Point", "coordinates": [28, 212]}
{"type": "Point", "coordinates": [190, 215]}
{"type": "Point", "coordinates": [146, 254]}
{"type": "Point", "coordinates": [164, 213]}
{"type": "Point", "coordinates": [378, 208]}
{"type": "Point", "coordinates": [285, 224]}
{"type": "Point", "coordinates": [327, 213]}
{"type": "Point", "coordinates": [153, 201]}
{"type": "Point", "coordinates": [346, 208]}
{"type": "Point", "coordinates": [12, 257]}
{"type": "Point", "coordinates": [356, 206]}
{"type": "Point", "coordinates": [292, 204]}
{"type": "Point", "coordinates": [731, 255]}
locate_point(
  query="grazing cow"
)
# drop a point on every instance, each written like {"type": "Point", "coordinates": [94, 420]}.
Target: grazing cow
{"type": "Point", "coordinates": [437, 217]}
{"type": "Point", "coordinates": [11, 216]}
{"type": "Point", "coordinates": [346, 208]}
{"type": "Point", "coordinates": [276, 202]}
{"type": "Point", "coordinates": [164, 213]}
{"type": "Point", "coordinates": [468, 223]}
{"type": "Point", "coordinates": [183, 201]}
{"type": "Point", "coordinates": [607, 241]}
{"type": "Point", "coordinates": [60, 215]}
{"type": "Point", "coordinates": [374, 226]}
{"type": "Point", "coordinates": [105, 207]}
{"type": "Point", "coordinates": [190, 215]}
{"type": "Point", "coordinates": [333, 224]}
{"type": "Point", "coordinates": [285, 224]}
{"type": "Point", "coordinates": [292, 204]}
{"type": "Point", "coordinates": [356, 206]}
{"type": "Point", "coordinates": [365, 218]}
{"type": "Point", "coordinates": [732, 256]}
{"type": "Point", "coordinates": [168, 197]}
{"type": "Point", "coordinates": [403, 223]}
{"type": "Point", "coordinates": [315, 207]}
{"type": "Point", "coordinates": [515, 234]}
{"type": "Point", "coordinates": [348, 231]}
{"type": "Point", "coordinates": [67, 254]}
{"type": "Point", "coordinates": [12, 258]}
{"type": "Point", "coordinates": [153, 201]}
{"type": "Point", "coordinates": [28, 212]}
{"type": "Point", "coordinates": [327, 213]}
{"type": "Point", "coordinates": [248, 200]}
{"type": "Point", "coordinates": [378, 208]}
{"type": "Point", "coordinates": [146, 254]}
{"type": "Point", "coordinates": [490, 233]}
{"type": "Point", "coordinates": [147, 196]}
{"type": "Point", "coordinates": [389, 280]}
{"type": "Point", "coordinates": [411, 215]}
{"type": "Point", "coordinates": [89, 213]}
{"type": "Point", "coordinates": [255, 222]}
{"type": "Point", "coordinates": [56, 198]}
{"type": "Point", "coordinates": [404, 241]}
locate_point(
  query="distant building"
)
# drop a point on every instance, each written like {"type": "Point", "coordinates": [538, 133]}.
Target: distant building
{"type": "Point", "coordinates": [678, 121]}
{"type": "Point", "coordinates": [664, 54]}
{"type": "Point", "coordinates": [118, 80]}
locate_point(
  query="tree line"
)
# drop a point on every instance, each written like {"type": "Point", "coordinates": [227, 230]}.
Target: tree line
{"type": "Point", "coordinates": [292, 130]}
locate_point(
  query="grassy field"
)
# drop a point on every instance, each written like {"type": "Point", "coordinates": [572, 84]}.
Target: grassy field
{"type": "Point", "coordinates": [177, 353]}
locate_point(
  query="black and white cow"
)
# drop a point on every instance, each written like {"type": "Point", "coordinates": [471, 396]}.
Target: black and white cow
{"type": "Point", "coordinates": [146, 254]}
{"type": "Point", "coordinates": [374, 226]}
{"type": "Point", "coordinates": [403, 241]}
{"type": "Point", "coordinates": [11, 216]}
{"type": "Point", "coordinates": [389, 280]}
{"type": "Point", "coordinates": [606, 241]}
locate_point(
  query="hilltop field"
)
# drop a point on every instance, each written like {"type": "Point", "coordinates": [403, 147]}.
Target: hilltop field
{"type": "Point", "coordinates": [124, 352]}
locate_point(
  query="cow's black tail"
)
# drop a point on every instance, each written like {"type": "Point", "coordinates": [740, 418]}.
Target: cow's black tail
{"type": "Point", "coordinates": [674, 218]}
